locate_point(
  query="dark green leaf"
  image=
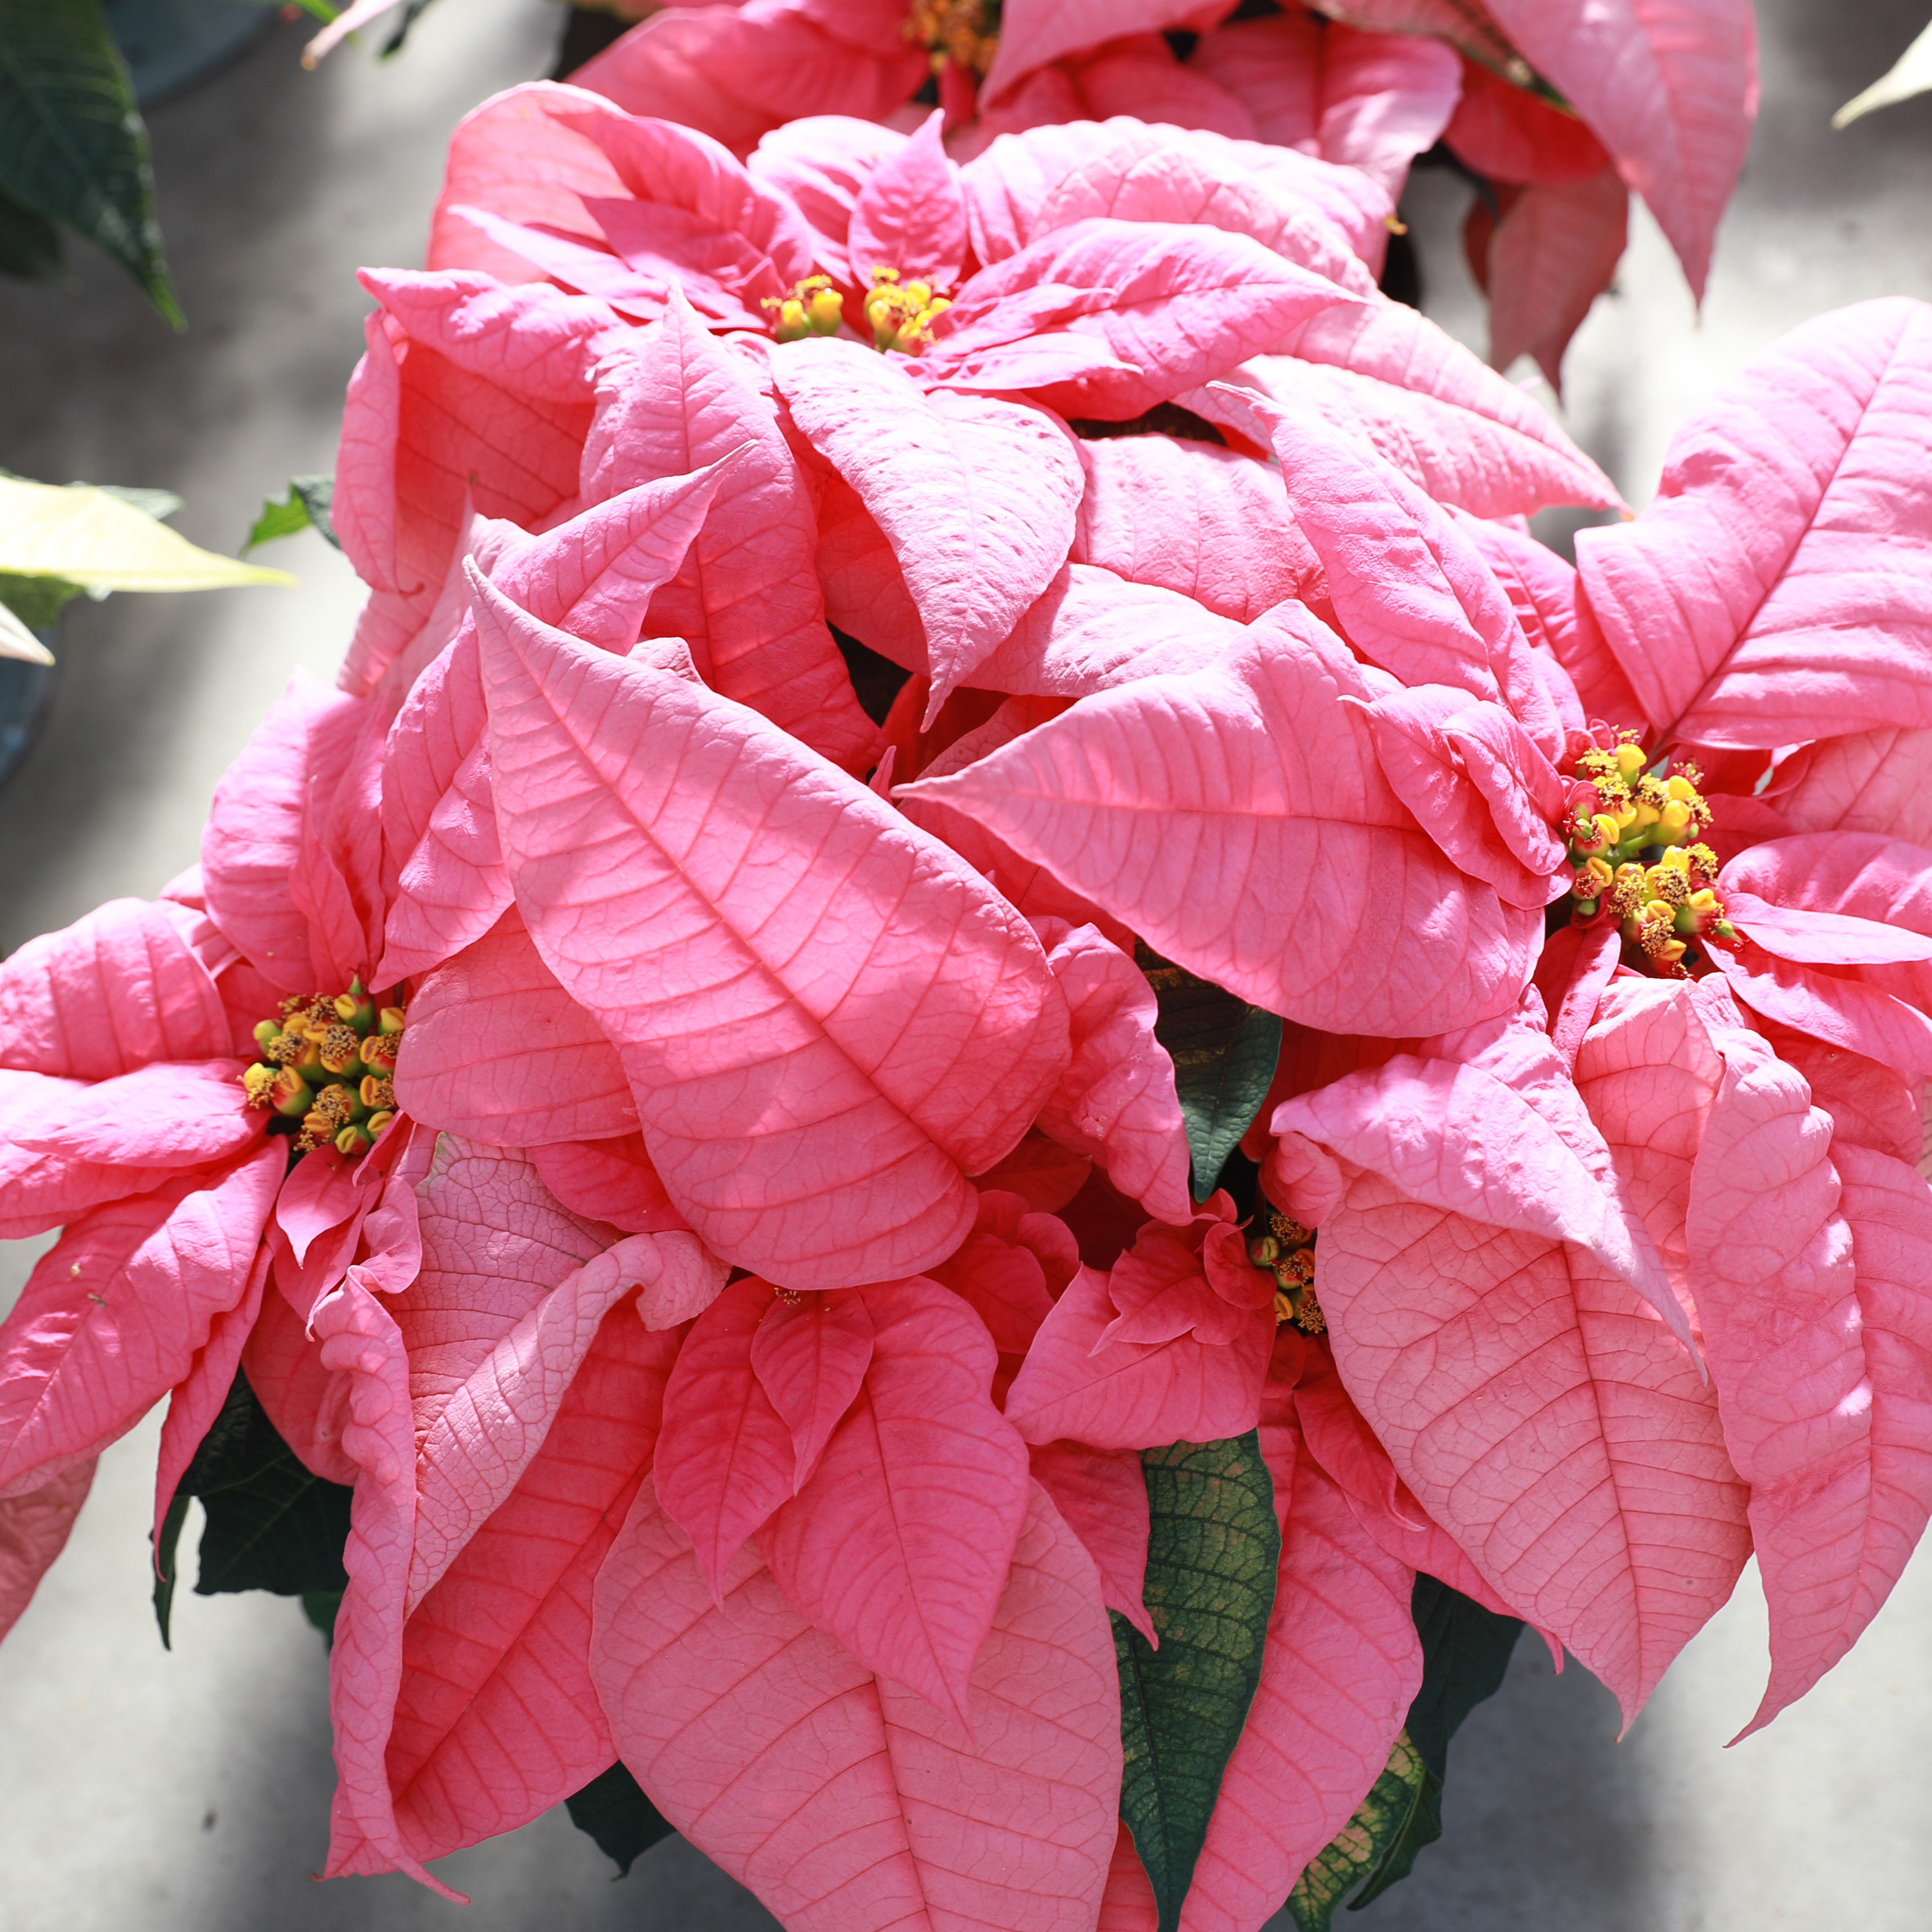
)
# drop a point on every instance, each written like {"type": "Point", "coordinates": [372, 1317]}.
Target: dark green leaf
{"type": "Point", "coordinates": [613, 1810]}
{"type": "Point", "coordinates": [1465, 1650]}
{"type": "Point", "coordinates": [1224, 1052]}
{"type": "Point", "coordinates": [411, 13]}
{"type": "Point", "coordinates": [38, 601]}
{"type": "Point", "coordinates": [1416, 1825]}
{"type": "Point", "coordinates": [320, 1607]}
{"type": "Point", "coordinates": [72, 147]}
{"type": "Point", "coordinates": [305, 507]}
{"type": "Point", "coordinates": [281, 1529]}
{"type": "Point", "coordinates": [1213, 1548]}
{"type": "Point", "coordinates": [877, 681]}
{"type": "Point", "coordinates": [222, 1456]}
{"type": "Point", "coordinates": [30, 245]}
{"type": "Point", "coordinates": [271, 1525]}
{"type": "Point", "coordinates": [1401, 1814]}
{"type": "Point", "coordinates": [165, 1572]}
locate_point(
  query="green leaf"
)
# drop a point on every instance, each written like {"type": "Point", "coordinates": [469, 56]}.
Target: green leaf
{"type": "Point", "coordinates": [155, 503]}
{"type": "Point", "coordinates": [271, 1525]}
{"type": "Point", "coordinates": [277, 520]}
{"type": "Point", "coordinates": [613, 1810]}
{"type": "Point", "coordinates": [1224, 1052]}
{"type": "Point", "coordinates": [305, 507]}
{"type": "Point", "coordinates": [108, 540]}
{"type": "Point", "coordinates": [30, 245]}
{"type": "Point", "coordinates": [280, 1529]}
{"type": "Point", "coordinates": [1416, 1823]}
{"type": "Point", "coordinates": [38, 601]}
{"type": "Point", "coordinates": [1465, 1651]}
{"type": "Point", "coordinates": [165, 1573]}
{"type": "Point", "coordinates": [320, 1607]}
{"type": "Point", "coordinates": [1401, 1814]}
{"type": "Point", "coordinates": [1212, 1549]}
{"type": "Point", "coordinates": [412, 11]}
{"type": "Point", "coordinates": [72, 146]}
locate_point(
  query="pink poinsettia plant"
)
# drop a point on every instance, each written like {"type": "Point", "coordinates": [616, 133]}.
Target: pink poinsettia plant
{"type": "Point", "coordinates": [988, 1039]}
{"type": "Point", "coordinates": [1556, 110]}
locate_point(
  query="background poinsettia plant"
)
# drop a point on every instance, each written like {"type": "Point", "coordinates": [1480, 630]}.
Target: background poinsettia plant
{"type": "Point", "coordinates": [1556, 111]}
{"type": "Point", "coordinates": [991, 1076]}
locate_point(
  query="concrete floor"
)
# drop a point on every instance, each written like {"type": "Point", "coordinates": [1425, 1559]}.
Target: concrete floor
{"type": "Point", "coordinates": [189, 1793]}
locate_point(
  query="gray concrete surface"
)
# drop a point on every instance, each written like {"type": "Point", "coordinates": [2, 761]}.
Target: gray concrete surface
{"type": "Point", "coordinates": [188, 1793]}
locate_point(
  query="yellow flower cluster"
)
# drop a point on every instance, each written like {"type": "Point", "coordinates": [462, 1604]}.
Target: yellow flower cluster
{"type": "Point", "coordinates": [901, 313]}
{"type": "Point", "coordinates": [330, 1064]}
{"type": "Point", "coordinates": [965, 33]}
{"type": "Point", "coordinates": [1287, 1250]}
{"type": "Point", "coordinates": [1635, 809]}
{"type": "Point", "coordinates": [813, 307]}
{"type": "Point", "coordinates": [1639, 849]}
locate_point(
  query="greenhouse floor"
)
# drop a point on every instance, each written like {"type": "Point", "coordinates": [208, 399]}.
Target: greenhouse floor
{"type": "Point", "coordinates": [189, 1791]}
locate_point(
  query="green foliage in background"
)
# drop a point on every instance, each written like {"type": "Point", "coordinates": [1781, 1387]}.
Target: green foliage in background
{"type": "Point", "coordinates": [73, 152]}
{"type": "Point", "coordinates": [305, 508]}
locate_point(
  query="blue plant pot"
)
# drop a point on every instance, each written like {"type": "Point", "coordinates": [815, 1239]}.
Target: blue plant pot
{"type": "Point", "coordinates": [25, 692]}
{"type": "Point", "coordinates": [169, 45]}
